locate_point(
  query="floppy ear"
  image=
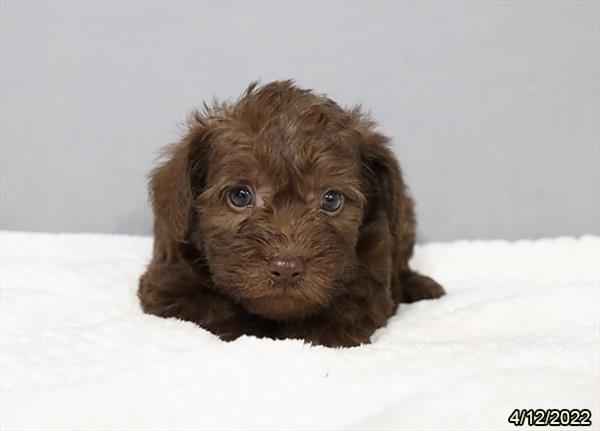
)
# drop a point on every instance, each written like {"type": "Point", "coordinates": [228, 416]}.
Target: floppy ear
{"type": "Point", "coordinates": [175, 182]}
{"type": "Point", "coordinates": [385, 190]}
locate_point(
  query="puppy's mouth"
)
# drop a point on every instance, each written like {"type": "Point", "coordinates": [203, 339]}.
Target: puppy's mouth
{"type": "Point", "coordinates": [284, 293]}
{"type": "Point", "coordinates": [281, 305]}
{"type": "Point", "coordinates": [285, 301]}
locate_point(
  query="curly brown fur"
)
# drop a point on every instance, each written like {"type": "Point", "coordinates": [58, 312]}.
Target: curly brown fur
{"type": "Point", "coordinates": [213, 261]}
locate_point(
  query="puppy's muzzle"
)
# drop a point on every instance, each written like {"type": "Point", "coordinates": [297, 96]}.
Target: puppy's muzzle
{"type": "Point", "coordinates": [286, 269]}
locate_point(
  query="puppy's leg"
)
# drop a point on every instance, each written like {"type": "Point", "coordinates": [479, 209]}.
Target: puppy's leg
{"type": "Point", "coordinates": [171, 291]}
{"type": "Point", "coordinates": [415, 287]}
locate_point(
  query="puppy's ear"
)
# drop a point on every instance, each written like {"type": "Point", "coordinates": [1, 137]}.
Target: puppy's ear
{"type": "Point", "coordinates": [175, 182]}
{"type": "Point", "coordinates": [382, 178]}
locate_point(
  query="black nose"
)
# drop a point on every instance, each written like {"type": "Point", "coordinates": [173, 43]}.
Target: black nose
{"type": "Point", "coordinates": [286, 268]}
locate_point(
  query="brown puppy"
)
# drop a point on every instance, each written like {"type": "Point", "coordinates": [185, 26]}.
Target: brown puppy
{"type": "Point", "coordinates": [282, 215]}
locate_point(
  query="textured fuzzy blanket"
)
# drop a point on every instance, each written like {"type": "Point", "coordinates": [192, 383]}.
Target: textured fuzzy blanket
{"type": "Point", "coordinates": [519, 329]}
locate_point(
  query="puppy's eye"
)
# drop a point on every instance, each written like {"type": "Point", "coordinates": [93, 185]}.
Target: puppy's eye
{"type": "Point", "coordinates": [241, 197]}
{"type": "Point", "coordinates": [332, 201]}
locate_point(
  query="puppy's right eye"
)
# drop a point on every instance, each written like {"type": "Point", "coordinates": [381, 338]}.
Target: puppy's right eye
{"type": "Point", "coordinates": [241, 197]}
{"type": "Point", "coordinates": [332, 201]}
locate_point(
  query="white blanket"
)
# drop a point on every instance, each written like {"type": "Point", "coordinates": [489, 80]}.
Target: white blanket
{"type": "Point", "coordinates": [519, 329]}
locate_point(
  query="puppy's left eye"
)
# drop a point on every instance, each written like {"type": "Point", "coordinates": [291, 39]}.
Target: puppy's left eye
{"type": "Point", "coordinates": [332, 201]}
{"type": "Point", "coordinates": [241, 197]}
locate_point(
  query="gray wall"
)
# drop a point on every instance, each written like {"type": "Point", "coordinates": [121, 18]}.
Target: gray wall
{"type": "Point", "coordinates": [493, 107]}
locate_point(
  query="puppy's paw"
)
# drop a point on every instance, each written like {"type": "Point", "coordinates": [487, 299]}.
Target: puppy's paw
{"type": "Point", "coordinates": [416, 287]}
{"type": "Point", "coordinates": [320, 333]}
{"type": "Point", "coordinates": [340, 340]}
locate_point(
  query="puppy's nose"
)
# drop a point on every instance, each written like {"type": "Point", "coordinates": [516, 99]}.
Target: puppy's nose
{"type": "Point", "coordinates": [286, 268]}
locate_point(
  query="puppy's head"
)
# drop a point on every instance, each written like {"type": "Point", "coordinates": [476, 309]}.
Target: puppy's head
{"type": "Point", "coordinates": [274, 191]}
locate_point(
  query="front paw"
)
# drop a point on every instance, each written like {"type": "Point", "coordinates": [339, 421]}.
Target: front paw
{"type": "Point", "coordinates": [416, 287]}
{"type": "Point", "coordinates": [331, 336]}
{"type": "Point", "coordinates": [339, 341]}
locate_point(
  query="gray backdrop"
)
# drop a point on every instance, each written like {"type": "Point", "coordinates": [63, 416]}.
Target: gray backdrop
{"type": "Point", "coordinates": [493, 107]}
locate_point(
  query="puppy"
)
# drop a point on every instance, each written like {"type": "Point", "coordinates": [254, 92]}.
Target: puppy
{"type": "Point", "coordinates": [284, 216]}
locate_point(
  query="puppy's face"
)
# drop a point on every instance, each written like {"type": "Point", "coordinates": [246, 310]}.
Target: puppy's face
{"type": "Point", "coordinates": [280, 209]}
{"type": "Point", "coordinates": [280, 224]}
